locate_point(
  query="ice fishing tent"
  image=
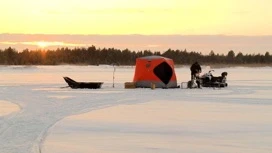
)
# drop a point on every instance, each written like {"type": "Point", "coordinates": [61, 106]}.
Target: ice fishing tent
{"type": "Point", "coordinates": [155, 69]}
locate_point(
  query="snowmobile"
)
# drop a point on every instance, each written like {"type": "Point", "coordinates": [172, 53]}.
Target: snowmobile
{"type": "Point", "coordinates": [208, 80]}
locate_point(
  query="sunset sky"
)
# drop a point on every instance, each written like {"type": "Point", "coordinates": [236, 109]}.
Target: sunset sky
{"type": "Point", "coordinates": [199, 25]}
{"type": "Point", "coordinates": [147, 17]}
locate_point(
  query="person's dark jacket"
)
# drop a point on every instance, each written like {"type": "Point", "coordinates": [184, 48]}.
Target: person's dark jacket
{"type": "Point", "coordinates": [195, 68]}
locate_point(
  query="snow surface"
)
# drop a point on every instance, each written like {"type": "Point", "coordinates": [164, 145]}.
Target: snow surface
{"type": "Point", "coordinates": [48, 117]}
{"type": "Point", "coordinates": [7, 108]}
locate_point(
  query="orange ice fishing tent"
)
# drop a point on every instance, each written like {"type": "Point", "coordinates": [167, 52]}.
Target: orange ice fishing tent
{"type": "Point", "coordinates": [155, 69]}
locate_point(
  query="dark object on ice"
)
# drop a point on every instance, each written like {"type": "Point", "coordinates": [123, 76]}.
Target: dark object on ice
{"type": "Point", "coordinates": [194, 83]}
{"type": "Point", "coordinates": [195, 69]}
{"type": "Point", "coordinates": [208, 80]}
{"type": "Point", "coordinates": [75, 85]}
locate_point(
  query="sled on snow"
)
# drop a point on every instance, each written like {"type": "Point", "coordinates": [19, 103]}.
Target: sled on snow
{"type": "Point", "coordinates": [76, 85]}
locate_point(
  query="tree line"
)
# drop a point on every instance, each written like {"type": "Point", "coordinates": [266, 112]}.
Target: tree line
{"type": "Point", "coordinates": [95, 56]}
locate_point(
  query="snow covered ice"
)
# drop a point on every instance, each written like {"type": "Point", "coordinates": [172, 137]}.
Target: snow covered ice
{"type": "Point", "coordinates": [39, 115]}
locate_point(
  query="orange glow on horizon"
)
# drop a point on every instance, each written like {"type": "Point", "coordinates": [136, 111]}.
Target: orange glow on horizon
{"type": "Point", "coordinates": [43, 44]}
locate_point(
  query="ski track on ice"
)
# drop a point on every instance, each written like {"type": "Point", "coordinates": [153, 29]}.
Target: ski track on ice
{"type": "Point", "coordinates": [43, 106]}
{"type": "Point", "coordinates": [25, 130]}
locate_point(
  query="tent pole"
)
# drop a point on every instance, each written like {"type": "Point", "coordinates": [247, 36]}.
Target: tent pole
{"type": "Point", "coordinates": [113, 75]}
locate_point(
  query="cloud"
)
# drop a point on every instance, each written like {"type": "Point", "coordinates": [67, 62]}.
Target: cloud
{"type": "Point", "coordinates": [242, 12]}
{"type": "Point", "coordinates": [200, 43]}
{"type": "Point", "coordinates": [124, 11]}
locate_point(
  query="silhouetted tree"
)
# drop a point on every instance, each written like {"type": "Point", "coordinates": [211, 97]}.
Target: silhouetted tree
{"type": "Point", "coordinates": [94, 56]}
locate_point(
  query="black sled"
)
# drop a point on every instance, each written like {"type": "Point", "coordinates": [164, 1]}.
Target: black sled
{"type": "Point", "coordinates": [75, 85]}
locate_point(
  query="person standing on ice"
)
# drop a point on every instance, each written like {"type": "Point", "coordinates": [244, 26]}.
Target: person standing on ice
{"type": "Point", "coordinates": [195, 70]}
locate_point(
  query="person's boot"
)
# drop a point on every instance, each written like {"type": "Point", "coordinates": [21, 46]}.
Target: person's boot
{"type": "Point", "coordinates": [198, 85]}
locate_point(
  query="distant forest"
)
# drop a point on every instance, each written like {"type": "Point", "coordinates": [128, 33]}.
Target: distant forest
{"type": "Point", "coordinates": [96, 56]}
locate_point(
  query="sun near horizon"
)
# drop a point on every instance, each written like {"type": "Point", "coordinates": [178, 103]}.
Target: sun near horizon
{"type": "Point", "coordinates": [42, 44]}
{"type": "Point", "coordinates": [147, 17]}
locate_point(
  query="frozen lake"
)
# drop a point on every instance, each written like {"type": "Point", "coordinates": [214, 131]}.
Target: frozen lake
{"type": "Point", "coordinates": [38, 115]}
